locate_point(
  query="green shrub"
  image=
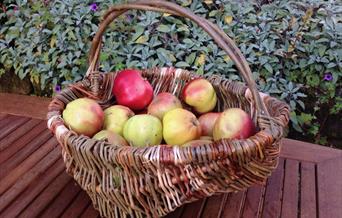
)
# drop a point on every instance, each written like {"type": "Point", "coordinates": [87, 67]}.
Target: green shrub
{"type": "Point", "coordinates": [294, 48]}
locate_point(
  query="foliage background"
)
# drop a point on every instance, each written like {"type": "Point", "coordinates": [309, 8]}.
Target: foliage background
{"type": "Point", "coordinates": [294, 49]}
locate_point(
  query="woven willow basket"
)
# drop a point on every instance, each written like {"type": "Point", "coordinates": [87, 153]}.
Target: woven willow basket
{"type": "Point", "coordinates": [154, 181]}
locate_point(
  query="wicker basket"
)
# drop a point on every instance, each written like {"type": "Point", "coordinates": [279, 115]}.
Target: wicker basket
{"type": "Point", "coordinates": [156, 180]}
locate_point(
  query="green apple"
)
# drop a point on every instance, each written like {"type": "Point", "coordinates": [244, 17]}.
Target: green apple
{"type": "Point", "coordinates": [143, 130]}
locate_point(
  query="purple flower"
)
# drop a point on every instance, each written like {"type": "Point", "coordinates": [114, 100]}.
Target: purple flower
{"type": "Point", "coordinates": [328, 76]}
{"type": "Point", "coordinates": [93, 7]}
{"type": "Point", "coordinates": [15, 8]}
{"type": "Point", "coordinates": [58, 88]}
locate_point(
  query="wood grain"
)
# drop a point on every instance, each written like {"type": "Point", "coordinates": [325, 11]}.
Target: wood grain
{"type": "Point", "coordinates": [329, 184]}
{"type": "Point", "coordinates": [290, 199]}
{"type": "Point", "coordinates": [308, 190]}
{"type": "Point", "coordinates": [23, 105]}
{"type": "Point", "coordinates": [273, 194]}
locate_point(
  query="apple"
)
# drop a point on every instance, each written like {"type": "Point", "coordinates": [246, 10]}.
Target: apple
{"type": "Point", "coordinates": [132, 90]}
{"type": "Point", "coordinates": [163, 103]}
{"type": "Point", "coordinates": [180, 126]}
{"type": "Point", "coordinates": [207, 138]}
{"type": "Point", "coordinates": [84, 116]}
{"type": "Point", "coordinates": [200, 94]}
{"type": "Point", "coordinates": [195, 143]}
{"type": "Point", "coordinates": [207, 122]}
{"type": "Point", "coordinates": [116, 117]}
{"type": "Point", "coordinates": [111, 137]}
{"type": "Point", "coordinates": [143, 130]}
{"type": "Point", "coordinates": [233, 123]}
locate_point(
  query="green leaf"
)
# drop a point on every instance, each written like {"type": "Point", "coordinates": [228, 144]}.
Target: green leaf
{"type": "Point", "coordinates": [269, 68]}
{"type": "Point", "coordinates": [191, 58]}
{"type": "Point", "coordinates": [182, 64]}
{"type": "Point", "coordinates": [321, 50]}
{"type": "Point", "coordinates": [331, 65]}
{"type": "Point", "coordinates": [163, 28]}
{"type": "Point", "coordinates": [138, 31]}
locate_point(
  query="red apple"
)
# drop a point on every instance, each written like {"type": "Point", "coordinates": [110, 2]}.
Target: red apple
{"type": "Point", "coordinates": [84, 116]}
{"type": "Point", "coordinates": [233, 123]}
{"type": "Point", "coordinates": [132, 90]}
{"type": "Point", "coordinates": [200, 94]}
{"type": "Point", "coordinates": [207, 122]}
{"type": "Point", "coordinates": [163, 103]}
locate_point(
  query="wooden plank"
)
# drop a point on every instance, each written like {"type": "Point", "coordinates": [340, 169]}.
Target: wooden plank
{"type": "Point", "coordinates": [303, 151]}
{"type": "Point", "coordinates": [14, 135]}
{"type": "Point", "coordinates": [234, 205]}
{"type": "Point", "coordinates": [11, 127]}
{"type": "Point", "coordinates": [28, 177]}
{"type": "Point", "coordinates": [33, 190]}
{"type": "Point", "coordinates": [254, 201]}
{"type": "Point", "coordinates": [26, 165]}
{"type": "Point", "coordinates": [273, 193]}
{"type": "Point", "coordinates": [329, 184]}
{"type": "Point", "coordinates": [46, 196]}
{"type": "Point", "coordinates": [25, 140]}
{"type": "Point", "coordinates": [8, 119]}
{"type": "Point", "coordinates": [291, 188]}
{"type": "Point", "coordinates": [308, 190]}
{"type": "Point", "coordinates": [90, 212]}
{"type": "Point", "coordinates": [62, 201]}
{"type": "Point", "coordinates": [78, 206]}
{"type": "Point", "coordinates": [212, 206]}
{"type": "Point", "coordinates": [23, 105]}
{"type": "Point", "coordinates": [193, 209]}
{"type": "Point", "coordinates": [22, 154]}
{"type": "Point", "coordinates": [3, 116]}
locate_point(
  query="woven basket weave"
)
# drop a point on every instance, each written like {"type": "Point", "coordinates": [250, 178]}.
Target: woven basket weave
{"type": "Point", "coordinates": [156, 180]}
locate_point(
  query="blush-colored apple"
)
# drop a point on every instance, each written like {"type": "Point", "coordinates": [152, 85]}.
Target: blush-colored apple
{"type": "Point", "coordinates": [163, 103]}
{"type": "Point", "coordinates": [207, 122]}
{"type": "Point", "coordinates": [84, 116]}
{"type": "Point", "coordinates": [200, 94]}
{"type": "Point", "coordinates": [233, 123]}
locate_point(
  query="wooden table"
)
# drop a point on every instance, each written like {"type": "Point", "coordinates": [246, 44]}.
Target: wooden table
{"type": "Point", "coordinates": [33, 182]}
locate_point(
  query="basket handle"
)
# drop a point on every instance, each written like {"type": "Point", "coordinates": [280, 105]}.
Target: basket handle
{"type": "Point", "coordinates": [219, 36]}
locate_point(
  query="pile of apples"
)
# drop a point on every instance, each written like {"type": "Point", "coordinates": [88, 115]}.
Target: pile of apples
{"type": "Point", "coordinates": [140, 119]}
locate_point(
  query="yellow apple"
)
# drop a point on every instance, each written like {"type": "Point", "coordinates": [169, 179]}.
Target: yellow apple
{"type": "Point", "coordinates": [180, 126]}
{"type": "Point", "coordinates": [115, 118]}
{"type": "Point", "coordinates": [195, 143]}
{"type": "Point", "coordinates": [112, 137]}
